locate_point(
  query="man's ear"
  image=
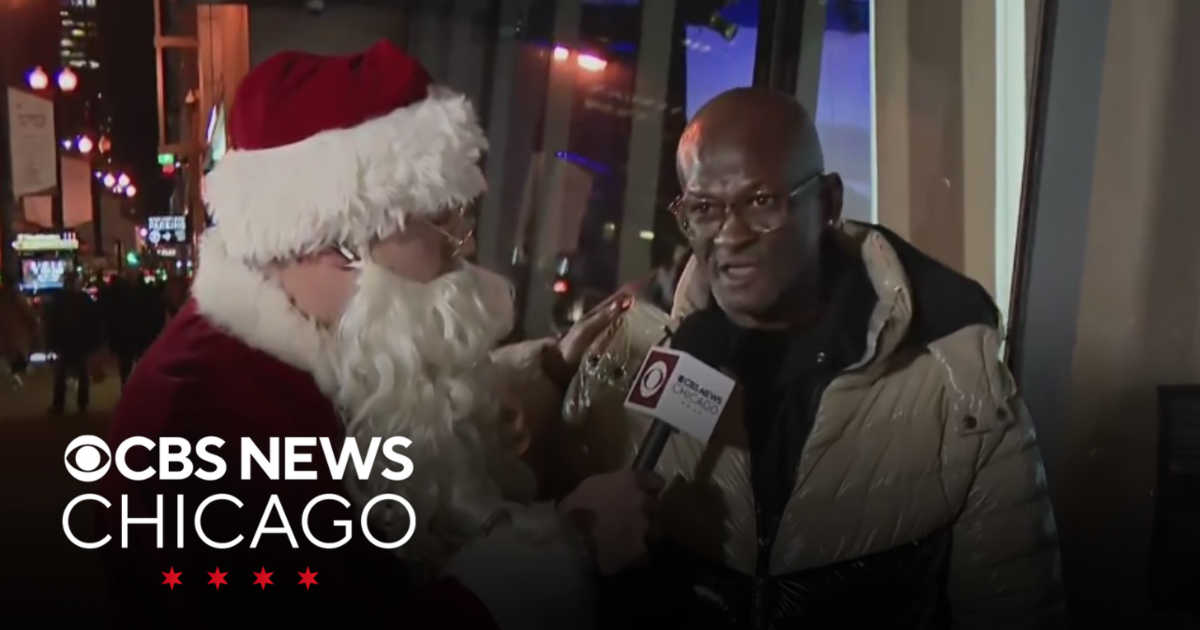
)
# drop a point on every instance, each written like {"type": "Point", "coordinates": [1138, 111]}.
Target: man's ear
{"type": "Point", "coordinates": [832, 196]}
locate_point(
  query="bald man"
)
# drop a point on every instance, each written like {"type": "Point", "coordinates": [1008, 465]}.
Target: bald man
{"type": "Point", "coordinates": [875, 467]}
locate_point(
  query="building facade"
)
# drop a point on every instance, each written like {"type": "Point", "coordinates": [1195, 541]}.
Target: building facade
{"type": "Point", "coordinates": [85, 112]}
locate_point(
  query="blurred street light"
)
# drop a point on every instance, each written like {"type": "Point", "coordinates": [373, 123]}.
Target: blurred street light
{"type": "Point", "coordinates": [131, 191]}
{"type": "Point", "coordinates": [561, 53]}
{"type": "Point", "coordinates": [67, 80]}
{"type": "Point", "coordinates": [110, 181]}
{"type": "Point", "coordinates": [122, 180]}
{"type": "Point", "coordinates": [84, 144]}
{"type": "Point", "coordinates": [38, 79]}
{"type": "Point", "coordinates": [591, 63]}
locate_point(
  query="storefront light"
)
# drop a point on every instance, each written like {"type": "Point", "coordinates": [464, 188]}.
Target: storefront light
{"type": "Point", "coordinates": [591, 63]}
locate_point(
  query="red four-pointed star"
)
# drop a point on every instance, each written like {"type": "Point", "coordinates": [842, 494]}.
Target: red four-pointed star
{"type": "Point", "coordinates": [218, 578]}
{"type": "Point", "coordinates": [172, 578]}
{"type": "Point", "coordinates": [308, 579]}
{"type": "Point", "coordinates": [262, 578]}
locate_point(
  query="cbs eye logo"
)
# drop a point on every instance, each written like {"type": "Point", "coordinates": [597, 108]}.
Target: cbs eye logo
{"type": "Point", "coordinates": [87, 458]}
{"type": "Point", "coordinates": [654, 379]}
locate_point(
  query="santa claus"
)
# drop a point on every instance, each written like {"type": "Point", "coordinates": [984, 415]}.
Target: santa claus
{"type": "Point", "coordinates": [331, 300]}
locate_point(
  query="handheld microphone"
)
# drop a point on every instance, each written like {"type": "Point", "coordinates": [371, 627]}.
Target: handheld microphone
{"type": "Point", "coordinates": [681, 393]}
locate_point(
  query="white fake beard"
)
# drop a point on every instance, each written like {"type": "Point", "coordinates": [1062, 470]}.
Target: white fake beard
{"type": "Point", "coordinates": [413, 360]}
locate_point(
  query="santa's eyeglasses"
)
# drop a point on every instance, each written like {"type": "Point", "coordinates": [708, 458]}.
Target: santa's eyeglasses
{"type": "Point", "coordinates": [456, 226]}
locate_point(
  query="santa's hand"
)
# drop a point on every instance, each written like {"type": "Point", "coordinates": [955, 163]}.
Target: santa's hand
{"type": "Point", "coordinates": [524, 361]}
{"type": "Point", "coordinates": [616, 512]}
{"type": "Point", "coordinates": [574, 345]}
{"type": "Point", "coordinates": [559, 360]}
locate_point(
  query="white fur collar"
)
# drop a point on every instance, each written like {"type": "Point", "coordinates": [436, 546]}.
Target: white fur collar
{"type": "Point", "coordinates": [254, 308]}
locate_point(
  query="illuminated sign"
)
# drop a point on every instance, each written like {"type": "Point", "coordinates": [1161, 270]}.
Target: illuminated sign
{"type": "Point", "coordinates": [167, 252]}
{"type": "Point", "coordinates": [46, 242]}
{"type": "Point", "coordinates": [166, 230]}
{"type": "Point", "coordinates": [215, 134]}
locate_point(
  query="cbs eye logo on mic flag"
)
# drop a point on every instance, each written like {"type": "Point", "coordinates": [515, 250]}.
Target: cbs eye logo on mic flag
{"type": "Point", "coordinates": [656, 373]}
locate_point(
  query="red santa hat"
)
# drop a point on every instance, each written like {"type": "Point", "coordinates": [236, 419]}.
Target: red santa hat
{"type": "Point", "coordinates": [339, 150]}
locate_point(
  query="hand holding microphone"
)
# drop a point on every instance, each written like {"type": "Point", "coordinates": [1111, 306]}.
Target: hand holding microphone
{"type": "Point", "coordinates": [616, 513]}
{"type": "Point", "coordinates": [617, 509]}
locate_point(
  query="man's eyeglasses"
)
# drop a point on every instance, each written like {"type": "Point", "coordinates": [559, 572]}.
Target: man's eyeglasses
{"type": "Point", "coordinates": [457, 227]}
{"type": "Point", "coordinates": [702, 218]}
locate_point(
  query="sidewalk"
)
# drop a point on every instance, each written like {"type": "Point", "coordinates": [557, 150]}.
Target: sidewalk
{"type": "Point", "coordinates": [33, 400]}
{"type": "Point", "coordinates": [34, 491]}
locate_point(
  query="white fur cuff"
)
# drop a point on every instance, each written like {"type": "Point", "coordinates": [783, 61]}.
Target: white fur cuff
{"type": "Point", "coordinates": [530, 582]}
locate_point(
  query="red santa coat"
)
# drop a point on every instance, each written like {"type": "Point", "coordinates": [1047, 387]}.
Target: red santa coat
{"type": "Point", "coordinates": [242, 362]}
{"type": "Point", "coordinates": [200, 381]}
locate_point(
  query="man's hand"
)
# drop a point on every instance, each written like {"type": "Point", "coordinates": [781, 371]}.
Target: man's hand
{"type": "Point", "coordinates": [616, 512]}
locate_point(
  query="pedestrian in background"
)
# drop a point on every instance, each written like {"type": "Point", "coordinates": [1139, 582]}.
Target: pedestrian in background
{"type": "Point", "coordinates": [74, 332]}
{"type": "Point", "coordinates": [18, 329]}
{"type": "Point", "coordinates": [133, 317]}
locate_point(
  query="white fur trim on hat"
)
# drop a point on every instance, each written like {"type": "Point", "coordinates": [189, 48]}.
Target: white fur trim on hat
{"type": "Point", "coordinates": [255, 309]}
{"type": "Point", "coordinates": [348, 186]}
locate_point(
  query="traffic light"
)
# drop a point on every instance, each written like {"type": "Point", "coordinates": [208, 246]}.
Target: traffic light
{"type": "Point", "coordinates": [131, 258]}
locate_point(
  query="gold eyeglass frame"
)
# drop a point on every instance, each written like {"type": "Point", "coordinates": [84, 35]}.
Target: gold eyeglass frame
{"type": "Point", "coordinates": [728, 209]}
{"type": "Point", "coordinates": [457, 243]}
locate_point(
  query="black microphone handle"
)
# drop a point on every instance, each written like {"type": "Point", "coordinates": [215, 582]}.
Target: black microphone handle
{"type": "Point", "coordinates": [652, 446]}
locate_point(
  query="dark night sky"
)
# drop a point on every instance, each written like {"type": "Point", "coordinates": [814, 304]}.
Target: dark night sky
{"type": "Point", "coordinates": [127, 32]}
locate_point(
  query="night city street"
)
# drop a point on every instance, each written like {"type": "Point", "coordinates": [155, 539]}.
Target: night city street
{"type": "Point", "coordinates": [608, 314]}
{"type": "Point", "coordinates": [34, 489]}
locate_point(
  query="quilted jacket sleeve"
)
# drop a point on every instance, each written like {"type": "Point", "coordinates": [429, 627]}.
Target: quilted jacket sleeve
{"type": "Point", "coordinates": [1005, 571]}
{"type": "Point", "coordinates": [692, 292]}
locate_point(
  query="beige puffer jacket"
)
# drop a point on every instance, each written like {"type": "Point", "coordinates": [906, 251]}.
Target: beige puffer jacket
{"type": "Point", "coordinates": [900, 449]}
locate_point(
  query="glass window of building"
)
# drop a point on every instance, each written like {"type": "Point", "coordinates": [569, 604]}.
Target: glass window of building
{"type": "Point", "coordinates": [584, 102]}
{"type": "Point", "coordinates": [920, 107]}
